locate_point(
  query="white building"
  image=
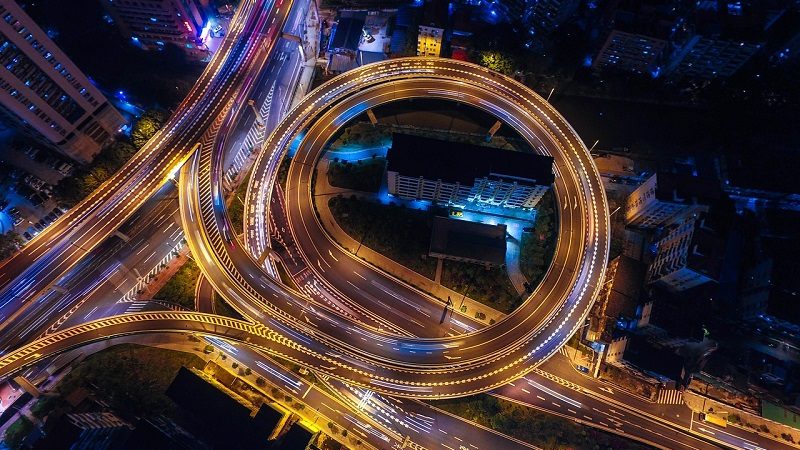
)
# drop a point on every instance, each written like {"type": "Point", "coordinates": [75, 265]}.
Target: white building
{"type": "Point", "coordinates": [459, 174]}
{"type": "Point", "coordinates": [689, 255]}
{"type": "Point", "coordinates": [44, 93]}
{"type": "Point", "coordinates": [665, 196]}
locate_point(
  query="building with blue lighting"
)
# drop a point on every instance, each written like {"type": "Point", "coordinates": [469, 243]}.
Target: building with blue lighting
{"type": "Point", "coordinates": [462, 175]}
{"type": "Point", "coordinates": [154, 24]}
{"type": "Point", "coordinates": [46, 95]}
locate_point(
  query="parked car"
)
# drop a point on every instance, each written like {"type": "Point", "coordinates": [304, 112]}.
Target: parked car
{"type": "Point", "coordinates": [65, 169]}
{"type": "Point", "coordinates": [31, 152]}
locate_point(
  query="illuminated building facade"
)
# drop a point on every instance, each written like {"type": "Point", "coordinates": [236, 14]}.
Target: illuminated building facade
{"type": "Point", "coordinates": [154, 24]}
{"type": "Point", "coordinates": [429, 41]}
{"type": "Point", "coordinates": [459, 174]}
{"type": "Point", "coordinates": [46, 95]}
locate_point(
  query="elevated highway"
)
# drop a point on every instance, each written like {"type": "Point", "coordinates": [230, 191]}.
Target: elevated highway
{"type": "Point", "coordinates": [393, 364]}
{"type": "Point", "coordinates": [40, 265]}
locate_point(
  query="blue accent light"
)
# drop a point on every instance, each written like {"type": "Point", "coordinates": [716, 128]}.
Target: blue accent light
{"type": "Point", "coordinates": [655, 72]}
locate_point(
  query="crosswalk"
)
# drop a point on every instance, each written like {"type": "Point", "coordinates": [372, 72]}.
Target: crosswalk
{"type": "Point", "coordinates": [135, 307]}
{"type": "Point", "coordinates": [670, 397]}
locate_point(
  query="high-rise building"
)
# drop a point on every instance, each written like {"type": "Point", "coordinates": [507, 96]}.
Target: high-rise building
{"type": "Point", "coordinates": [544, 16]}
{"type": "Point", "coordinates": [628, 52]}
{"type": "Point", "coordinates": [154, 24]}
{"type": "Point", "coordinates": [665, 196]}
{"type": "Point", "coordinates": [725, 36]}
{"type": "Point", "coordinates": [44, 93]}
{"type": "Point", "coordinates": [712, 57]}
{"type": "Point", "coordinates": [642, 35]}
{"type": "Point", "coordinates": [429, 41]}
{"type": "Point", "coordinates": [689, 255]}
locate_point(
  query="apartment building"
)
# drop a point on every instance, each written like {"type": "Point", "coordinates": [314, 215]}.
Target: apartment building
{"type": "Point", "coordinates": [46, 95]}
{"type": "Point", "coordinates": [458, 174]}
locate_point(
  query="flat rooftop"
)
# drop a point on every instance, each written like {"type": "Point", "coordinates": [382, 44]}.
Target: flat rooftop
{"type": "Point", "coordinates": [434, 159]}
{"type": "Point", "coordinates": [470, 240]}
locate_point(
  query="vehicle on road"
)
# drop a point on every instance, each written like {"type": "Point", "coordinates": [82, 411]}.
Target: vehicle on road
{"type": "Point", "coordinates": [715, 419]}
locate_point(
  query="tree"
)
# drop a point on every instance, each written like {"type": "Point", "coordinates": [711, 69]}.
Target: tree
{"type": "Point", "coordinates": [117, 154]}
{"type": "Point", "coordinates": [497, 61]}
{"type": "Point", "coordinates": [9, 243]}
{"type": "Point", "coordinates": [147, 126]}
{"type": "Point", "coordinates": [18, 431]}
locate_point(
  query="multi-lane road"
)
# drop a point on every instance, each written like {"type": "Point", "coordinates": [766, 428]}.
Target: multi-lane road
{"type": "Point", "coordinates": [358, 353]}
{"type": "Point", "coordinates": [323, 338]}
{"type": "Point", "coordinates": [40, 265]}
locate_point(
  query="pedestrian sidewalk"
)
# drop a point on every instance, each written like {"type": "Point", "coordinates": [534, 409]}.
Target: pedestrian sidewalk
{"type": "Point", "coordinates": [164, 275]}
{"type": "Point", "coordinates": [471, 308]}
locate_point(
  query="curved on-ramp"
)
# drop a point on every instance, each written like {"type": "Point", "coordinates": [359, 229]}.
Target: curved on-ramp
{"type": "Point", "coordinates": [399, 365]}
{"type": "Point", "coordinates": [283, 322]}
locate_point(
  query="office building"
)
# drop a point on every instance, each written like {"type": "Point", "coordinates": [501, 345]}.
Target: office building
{"type": "Point", "coordinates": [458, 174]}
{"type": "Point", "coordinates": [712, 57]}
{"type": "Point", "coordinates": [689, 255]}
{"type": "Point", "coordinates": [665, 196]}
{"type": "Point", "coordinates": [429, 41]}
{"type": "Point", "coordinates": [154, 24]}
{"type": "Point", "coordinates": [46, 95]}
{"type": "Point", "coordinates": [641, 36]}
{"type": "Point", "coordinates": [629, 52]}
{"type": "Point", "coordinates": [724, 37]}
{"type": "Point", "coordinates": [544, 16]}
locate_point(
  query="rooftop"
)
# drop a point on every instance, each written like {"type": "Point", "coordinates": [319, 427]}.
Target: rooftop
{"type": "Point", "coordinates": [469, 240]}
{"type": "Point", "coordinates": [459, 162]}
{"type": "Point", "coordinates": [627, 287]}
{"type": "Point", "coordinates": [685, 188]}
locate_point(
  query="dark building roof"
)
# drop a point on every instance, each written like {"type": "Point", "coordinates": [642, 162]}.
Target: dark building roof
{"type": "Point", "coordinates": [627, 287]}
{"type": "Point", "coordinates": [685, 188]}
{"type": "Point", "coordinates": [86, 431]}
{"type": "Point", "coordinates": [267, 417]}
{"type": "Point", "coordinates": [683, 314]}
{"type": "Point", "coordinates": [346, 33]}
{"type": "Point", "coordinates": [470, 240]}
{"type": "Point", "coordinates": [161, 433]}
{"type": "Point", "coordinates": [649, 357]}
{"type": "Point", "coordinates": [436, 13]}
{"type": "Point", "coordinates": [708, 246]}
{"type": "Point", "coordinates": [215, 410]}
{"type": "Point", "coordinates": [419, 156]}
